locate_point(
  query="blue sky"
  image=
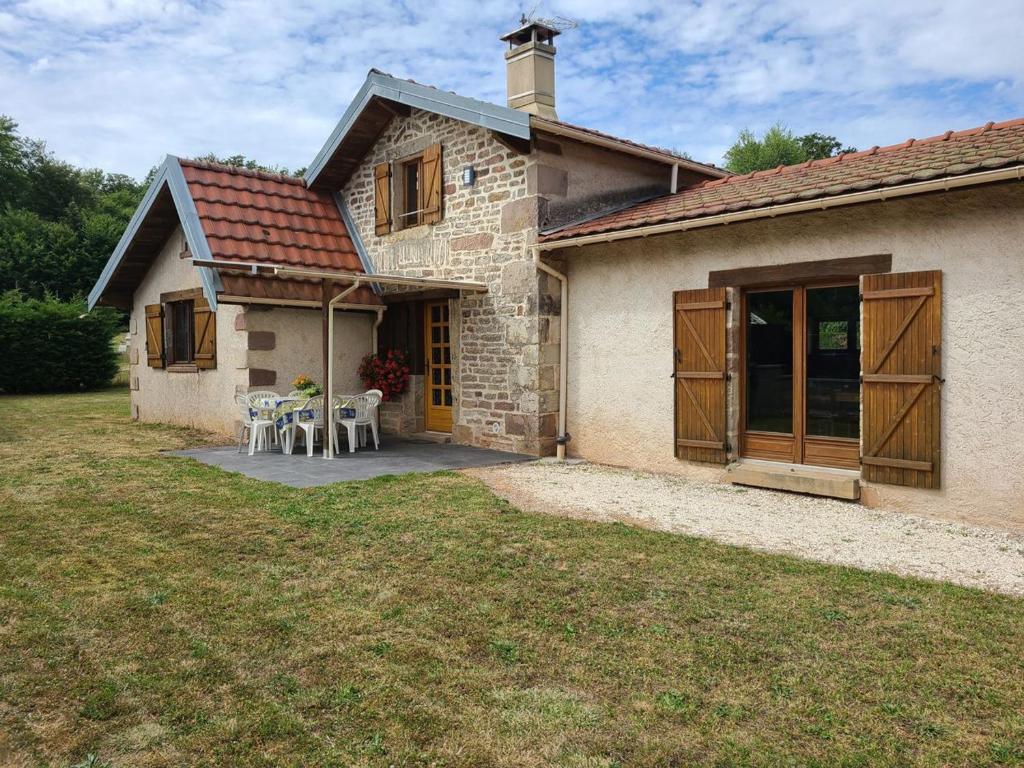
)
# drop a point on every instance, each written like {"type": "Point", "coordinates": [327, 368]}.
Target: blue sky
{"type": "Point", "coordinates": [118, 84]}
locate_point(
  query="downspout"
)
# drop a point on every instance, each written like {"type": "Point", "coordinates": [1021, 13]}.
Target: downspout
{"type": "Point", "coordinates": [563, 350]}
{"type": "Point", "coordinates": [376, 325]}
{"type": "Point", "coordinates": [329, 383]}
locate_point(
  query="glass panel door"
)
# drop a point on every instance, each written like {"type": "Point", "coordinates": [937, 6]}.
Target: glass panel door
{"type": "Point", "coordinates": [833, 362]}
{"type": "Point", "coordinates": [769, 363]}
{"type": "Point", "coordinates": [438, 388]}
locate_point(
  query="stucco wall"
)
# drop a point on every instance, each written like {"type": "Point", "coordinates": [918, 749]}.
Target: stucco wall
{"type": "Point", "coordinates": [620, 319]}
{"type": "Point", "coordinates": [288, 342]}
{"type": "Point", "coordinates": [578, 180]}
{"type": "Point", "coordinates": [203, 399]}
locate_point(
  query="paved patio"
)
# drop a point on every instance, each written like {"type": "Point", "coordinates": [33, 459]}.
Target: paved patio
{"type": "Point", "coordinates": [395, 457]}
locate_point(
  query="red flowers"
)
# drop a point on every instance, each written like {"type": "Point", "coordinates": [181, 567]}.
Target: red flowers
{"type": "Point", "coordinates": [389, 374]}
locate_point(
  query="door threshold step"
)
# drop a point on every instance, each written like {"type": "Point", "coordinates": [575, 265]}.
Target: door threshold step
{"type": "Point", "coordinates": [431, 437]}
{"type": "Point", "coordinates": [798, 478]}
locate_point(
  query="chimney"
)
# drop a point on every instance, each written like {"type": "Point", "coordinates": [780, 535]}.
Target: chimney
{"type": "Point", "coordinates": [530, 63]}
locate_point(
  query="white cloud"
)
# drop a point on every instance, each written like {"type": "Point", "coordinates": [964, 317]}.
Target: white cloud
{"type": "Point", "coordinates": [119, 83]}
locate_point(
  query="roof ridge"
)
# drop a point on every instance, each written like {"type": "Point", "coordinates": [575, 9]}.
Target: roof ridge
{"type": "Point", "coordinates": [238, 170]}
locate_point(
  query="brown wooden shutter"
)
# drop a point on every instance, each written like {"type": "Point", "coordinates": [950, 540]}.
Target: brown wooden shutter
{"type": "Point", "coordinates": [700, 368]}
{"type": "Point", "coordinates": [155, 335]}
{"type": "Point", "coordinates": [902, 363]}
{"type": "Point", "coordinates": [432, 178]}
{"type": "Point", "coordinates": [382, 198]}
{"type": "Point", "coordinates": [204, 329]}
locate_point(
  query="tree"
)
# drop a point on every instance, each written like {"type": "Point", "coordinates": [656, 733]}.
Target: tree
{"type": "Point", "coordinates": [58, 223]}
{"type": "Point", "coordinates": [779, 146]}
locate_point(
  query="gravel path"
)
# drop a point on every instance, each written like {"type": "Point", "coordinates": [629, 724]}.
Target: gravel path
{"type": "Point", "coordinates": [827, 530]}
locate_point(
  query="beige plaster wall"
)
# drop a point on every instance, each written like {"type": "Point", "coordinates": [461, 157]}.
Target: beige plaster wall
{"type": "Point", "coordinates": [203, 399]}
{"type": "Point", "coordinates": [620, 319]}
{"type": "Point", "coordinates": [297, 345]}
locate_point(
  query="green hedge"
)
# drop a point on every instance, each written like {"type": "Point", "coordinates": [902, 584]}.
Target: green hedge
{"type": "Point", "coordinates": [52, 346]}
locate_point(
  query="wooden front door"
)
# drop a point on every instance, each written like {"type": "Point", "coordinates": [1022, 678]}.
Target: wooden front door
{"type": "Point", "coordinates": [438, 354]}
{"type": "Point", "coordinates": [801, 375]}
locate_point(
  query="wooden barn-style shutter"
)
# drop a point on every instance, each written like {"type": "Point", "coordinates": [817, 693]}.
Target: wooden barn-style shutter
{"type": "Point", "coordinates": [432, 178]}
{"type": "Point", "coordinates": [902, 365]}
{"type": "Point", "coordinates": [700, 375]}
{"type": "Point", "coordinates": [155, 335]}
{"type": "Point", "coordinates": [382, 198]}
{"type": "Point", "coordinates": [204, 329]}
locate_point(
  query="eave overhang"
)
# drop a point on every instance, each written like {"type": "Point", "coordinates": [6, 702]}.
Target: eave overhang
{"type": "Point", "coordinates": [352, 140]}
{"type": "Point", "coordinates": [169, 179]}
{"type": "Point", "coordinates": [263, 269]}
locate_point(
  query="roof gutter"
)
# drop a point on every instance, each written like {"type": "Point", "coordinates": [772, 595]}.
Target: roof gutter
{"type": "Point", "coordinates": [571, 132]}
{"type": "Point", "coordinates": [936, 185]}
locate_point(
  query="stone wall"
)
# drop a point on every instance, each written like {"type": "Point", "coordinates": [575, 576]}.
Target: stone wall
{"type": "Point", "coordinates": [505, 392]}
{"type": "Point", "coordinates": [499, 396]}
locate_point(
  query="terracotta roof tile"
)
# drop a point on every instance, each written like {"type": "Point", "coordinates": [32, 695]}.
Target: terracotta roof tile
{"type": "Point", "coordinates": [994, 145]}
{"type": "Point", "coordinates": [254, 216]}
{"type": "Point", "coordinates": [268, 217]}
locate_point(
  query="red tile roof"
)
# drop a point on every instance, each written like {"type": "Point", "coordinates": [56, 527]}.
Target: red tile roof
{"type": "Point", "coordinates": [267, 217]}
{"type": "Point", "coordinates": [994, 145]}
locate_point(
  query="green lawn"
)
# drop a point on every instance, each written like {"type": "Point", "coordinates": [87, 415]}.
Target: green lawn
{"type": "Point", "coordinates": [155, 611]}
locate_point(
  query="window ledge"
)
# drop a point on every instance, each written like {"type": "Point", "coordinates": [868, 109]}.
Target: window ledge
{"type": "Point", "coordinates": [183, 368]}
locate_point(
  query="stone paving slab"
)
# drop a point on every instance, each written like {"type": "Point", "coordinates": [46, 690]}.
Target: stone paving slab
{"type": "Point", "coordinates": [395, 457]}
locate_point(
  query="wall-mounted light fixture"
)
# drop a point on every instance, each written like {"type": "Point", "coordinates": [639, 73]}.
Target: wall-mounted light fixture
{"type": "Point", "coordinates": [468, 176]}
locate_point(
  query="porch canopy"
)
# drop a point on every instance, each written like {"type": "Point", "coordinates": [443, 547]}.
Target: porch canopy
{"type": "Point", "coordinates": [331, 289]}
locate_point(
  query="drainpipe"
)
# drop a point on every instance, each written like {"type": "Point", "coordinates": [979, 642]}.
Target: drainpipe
{"type": "Point", "coordinates": [563, 350]}
{"type": "Point", "coordinates": [376, 325]}
{"type": "Point", "coordinates": [329, 383]}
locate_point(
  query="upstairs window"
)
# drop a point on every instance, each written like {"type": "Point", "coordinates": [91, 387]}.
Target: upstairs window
{"type": "Point", "coordinates": [415, 196]}
{"type": "Point", "coordinates": [410, 203]}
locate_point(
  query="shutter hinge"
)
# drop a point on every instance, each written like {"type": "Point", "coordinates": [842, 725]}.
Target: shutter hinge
{"type": "Point", "coordinates": [728, 376]}
{"type": "Point", "coordinates": [728, 306]}
{"type": "Point", "coordinates": [728, 447]}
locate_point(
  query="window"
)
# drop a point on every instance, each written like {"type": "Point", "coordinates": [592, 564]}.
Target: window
{"type": "Point", "coordinates": [410, 203]}
{"type": "Point", "coordinates": [415, 196]}
{"type": "Point", "coordinates": [181, 341]}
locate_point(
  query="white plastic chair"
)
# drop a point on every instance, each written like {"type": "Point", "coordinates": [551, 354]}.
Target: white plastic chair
{"type": "Point", "coordinates": [264, 401]}
{"type": "Point", "coordinates": [365, 406]}
{"type": "Point", "coordinates": [256, 424]}
{"type": "Point", "coordinates": [310, 418]}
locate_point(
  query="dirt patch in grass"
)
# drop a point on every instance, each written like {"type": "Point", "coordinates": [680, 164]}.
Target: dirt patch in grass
{"type": "Point", "coordinates": [155, 611]}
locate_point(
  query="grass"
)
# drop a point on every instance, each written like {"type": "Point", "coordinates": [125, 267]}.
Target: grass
{"type": "Point", "coordinates": [158, 612]}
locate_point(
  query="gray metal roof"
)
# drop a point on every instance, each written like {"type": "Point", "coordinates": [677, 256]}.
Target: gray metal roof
{"type": "Point", "coordinates": [378, 84]}
{"type": "Point", "coordinates": [169, 173]}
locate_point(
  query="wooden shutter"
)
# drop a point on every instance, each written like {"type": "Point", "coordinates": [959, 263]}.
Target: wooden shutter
{"type": "Point", "coordinates": [902, 363]}
{"type": "Point", "coordinates": [204, 330]}
{"type": "Point", "coordinates": [432, 178]}
{"type": "Point", "coordinates": [382, 198]}
{"type": "Point", "coordinates": [155, 335]}
{"type": "Point", "coordinates": [700, 368]}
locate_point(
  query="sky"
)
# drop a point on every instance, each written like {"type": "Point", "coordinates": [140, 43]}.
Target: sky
{"type": "Point", "coordinates": [118, 84]}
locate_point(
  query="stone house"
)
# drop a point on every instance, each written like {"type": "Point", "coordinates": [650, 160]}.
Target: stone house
{"type": "Point", "coordinates": [837, 327]}
{"type": "Point", "coordinates": [414, 183]}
